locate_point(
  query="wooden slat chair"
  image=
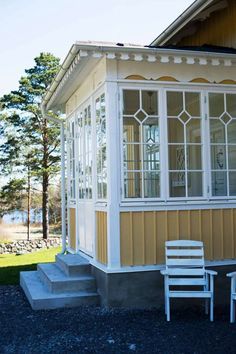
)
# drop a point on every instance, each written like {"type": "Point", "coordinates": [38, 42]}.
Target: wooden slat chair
{"type": "Point", "coordinates": [185, 266]}
{"type": "Point", "coordinates": [232, 296]}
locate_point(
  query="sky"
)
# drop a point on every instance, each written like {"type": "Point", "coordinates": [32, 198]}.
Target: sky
{"type": "Point", "coordinates": [29, 27]}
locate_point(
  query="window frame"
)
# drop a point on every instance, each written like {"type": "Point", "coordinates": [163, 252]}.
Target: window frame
{"type": "Point", "coordinates": [162, 89]}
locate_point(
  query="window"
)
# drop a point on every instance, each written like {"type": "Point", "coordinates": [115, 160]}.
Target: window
{"type": "Point", "coordinates": [88, 152]}
{"type": "Point", "coordinates": [84, 137]}
{"type": "Point", "coordinates": [184, 144]}
{"type": "Point", "coordinates": [222, 117]}
{"type": "Point", "coordinates": [71, 148]}
{"type": "Point", "coordinates": [101, 147]}
{"type": "Point", "coordinates": [141, 144]}
{"type": "Point", "coordinates": [190, 133]}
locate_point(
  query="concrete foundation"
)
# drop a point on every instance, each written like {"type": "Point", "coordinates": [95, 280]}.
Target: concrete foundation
{"type": "Point", "coordinates": [146, 289]}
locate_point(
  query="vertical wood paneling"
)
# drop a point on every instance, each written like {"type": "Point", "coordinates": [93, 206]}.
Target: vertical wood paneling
{"type": "Point", "coordinates": [195, 231]}
{"type": "Point", "coordinates": [149, 237]}
{"type": "Point", "coordinates": [101, 236]}
{"type": "Point", "coordinates": [216, 233]}
{"type": "Point", "coordinates": [173, 226]}
{"type": "Point", "coordinates": [219, 29]}
{"type": "Point", "coordinates": [126, 239]}
{"type": "Point", "coordinates": [161, 233]}
{"type": "Point", "coordinates": [206, 232]}
{"type": "Point", "coordinates": [143, 234]}
{"type": "Point", "coordinates": [138, 237]}
{"type": "Point", "coordinates": [229, 231]}
{"type": "Point", "coordinates": [72, 228]}
{"type": "Point", "coordinates": [183, 225]}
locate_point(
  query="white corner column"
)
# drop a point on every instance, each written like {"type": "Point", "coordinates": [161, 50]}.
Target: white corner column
{"type": "Point", "coordinates": [113, 176]}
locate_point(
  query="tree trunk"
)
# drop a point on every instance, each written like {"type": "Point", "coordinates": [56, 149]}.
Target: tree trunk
{"type": "Point", "coordinates": [28, 205]}
{"type": "Point", "coordinates": [45, 202]}
{"type": "Point", "coordinates": [45, 206]}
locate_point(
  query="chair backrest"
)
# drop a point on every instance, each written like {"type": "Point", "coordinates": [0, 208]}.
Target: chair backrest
{"type": "Point", "coordinates": [185, 258]}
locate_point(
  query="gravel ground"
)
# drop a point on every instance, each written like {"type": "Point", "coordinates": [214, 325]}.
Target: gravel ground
{"type": "Point", "coordinates": [99, 330]}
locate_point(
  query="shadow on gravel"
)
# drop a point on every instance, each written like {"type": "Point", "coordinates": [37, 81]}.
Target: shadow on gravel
{"type": "Point", "coordinates": [101, 330]}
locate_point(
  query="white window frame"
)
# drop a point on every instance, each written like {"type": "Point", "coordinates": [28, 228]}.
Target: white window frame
{"type": "Point", "coordinates": [227, 197]}
{"type": "Point", "coordinates": [70, 121]}
{"type": "Point", "coordinates": [204, 91]}
{"type": "Point", "coordinates": [97, 95]}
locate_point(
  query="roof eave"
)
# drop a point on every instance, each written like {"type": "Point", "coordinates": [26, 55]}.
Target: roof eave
{"type": "Point", "coordinates": [181, 21]}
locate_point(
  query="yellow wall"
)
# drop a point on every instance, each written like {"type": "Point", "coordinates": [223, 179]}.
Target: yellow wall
{"type": "Point", "coordinates": [72, 229]}
{"type": "Point", "coordinates": [101, 236]}
{"type": "Point", "coordinates": [218, 29]}
{"type": "Point", "coordinates": [143, 233]}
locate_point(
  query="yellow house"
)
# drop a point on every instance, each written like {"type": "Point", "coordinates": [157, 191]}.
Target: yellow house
{"type": "Point", "coordinates": [151, 150]}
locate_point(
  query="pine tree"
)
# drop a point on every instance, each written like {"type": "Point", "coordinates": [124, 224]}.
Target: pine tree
{"type": "Point", "coordinates": [27, 133]}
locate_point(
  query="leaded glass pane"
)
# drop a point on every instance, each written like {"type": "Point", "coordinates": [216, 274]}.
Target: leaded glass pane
{"type": "Point", "coordinates": [194, 180]}
{"type": "Point", "coordinates": [131, 130]}
{"type": "Point", "coordinates": [151, 185]}
{"type": "Point", "coordinates": [193, 131]}
{"type": "Point", "coordinates": [218, 160]}
{"type": "Point", "coordinates": [231, 130]}
{"type": "Point", "coordinates": [174, 103]}
{"type": "Point", "coordinates": [177, 184]}
{"type": "Point", "coordinates": [219, 183]}
{"type": "Point", "coordinates": [133, 184]}
{"type": "Point", "coordinates": [184, 117]}
{"type": "Point", "coordinates": [132, 157]}
{"type": "Point", "coordinates": [140, 115]}
{"type": "Point", "coordinates": [151, 157]}
{"type": "Point", "coordinates": [217, 131]}
{"type": "Point", "coordinates": [149, 102]}
{"type": "Point", "coordinates": [232, 157]}
{"type": "Point", "coordinates": [175, 131]}
{"type": "Point", "coordinates": [194, 160]}
{"type": "Point", "coordinates": [192, 103]}
{"type": "Point", "coordinates": [216, 104]}
{"type": "Point", "coordinates": [232, 183]}
{"type": "Point", "coordinates": [231, 104]}
{"type": "Point", "coordinates": [176, 157]}
{"type": "Point", "coordinates": [151, 131]}
{"type": "Point", "coordinates": [131, 101]}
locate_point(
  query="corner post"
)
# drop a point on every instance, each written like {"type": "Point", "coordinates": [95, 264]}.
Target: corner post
{"type": "Point", "coordinates": [113, 173]}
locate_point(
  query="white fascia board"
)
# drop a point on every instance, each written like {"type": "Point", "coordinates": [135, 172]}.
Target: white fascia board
{"type": "Point", "coordinates": [186, 17]}
{"type": "Point", "coordinates": [64, 83]}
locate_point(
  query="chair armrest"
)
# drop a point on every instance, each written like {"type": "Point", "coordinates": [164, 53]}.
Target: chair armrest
{"type": "Point", "coordinates": [164, 272]}
{"type": "Point", "coordinates": [210, 272]}
{"type": "Point", "coordinates": [231, 275]}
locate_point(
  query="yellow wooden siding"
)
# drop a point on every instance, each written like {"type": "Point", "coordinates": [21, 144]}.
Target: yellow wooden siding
{"type": "Point", "coordinates": [72, 228]}
{"type": "Point", "coordinates": [219, 29]}
{"type": "Point", "coordinates": [143, 233]}
{"type": "Point", "coordinates": [101, 236]}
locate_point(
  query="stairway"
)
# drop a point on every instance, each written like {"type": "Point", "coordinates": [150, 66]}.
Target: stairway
{"type": "Point", "coordinates": [66, 283]}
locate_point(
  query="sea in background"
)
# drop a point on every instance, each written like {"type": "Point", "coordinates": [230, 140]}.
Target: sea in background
{"type": "Point", "coordinates": [20, 217]}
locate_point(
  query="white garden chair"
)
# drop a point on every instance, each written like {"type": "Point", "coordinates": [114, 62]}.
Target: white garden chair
{"type": "Point", "coordinates": [185, 266]}
{"type": "Point", "coordinates": [232, 296]}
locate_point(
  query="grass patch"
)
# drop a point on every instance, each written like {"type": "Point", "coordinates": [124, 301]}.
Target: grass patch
{"type": "Point", "coordinates": [11, 265]}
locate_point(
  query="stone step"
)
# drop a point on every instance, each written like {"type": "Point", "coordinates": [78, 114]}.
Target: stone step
{"type": "Point", "coordinates": [57, 281]}
{"type": "Point", "coordinates": [41, 299]}
{"type": "Point", "coordinates": [73, 264]}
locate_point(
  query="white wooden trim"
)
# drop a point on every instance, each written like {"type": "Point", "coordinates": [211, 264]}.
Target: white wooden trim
{"type": "Point", "coordinates": [113, 177]}
{"type": "Point", "coordinates": [158, 267]}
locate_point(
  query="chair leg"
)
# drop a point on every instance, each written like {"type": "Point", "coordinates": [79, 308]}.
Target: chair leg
{"type": "Point", "coordinates": [206, 306]}
{"type": "Point", "coordinates": [232, 311]}
{"type": "Point", "coordinates": [212, 308]}
{"type": "Point", "coordinates": [168, 308]}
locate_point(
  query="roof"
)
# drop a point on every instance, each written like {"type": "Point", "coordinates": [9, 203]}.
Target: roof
{"type": "Point", "coordinates": [185, 23]}
{"type": "Point", "coordinates": [83, 56]}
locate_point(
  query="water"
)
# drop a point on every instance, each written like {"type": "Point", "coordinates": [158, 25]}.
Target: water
{"type": "Point", "coordinates": [19, 217]}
